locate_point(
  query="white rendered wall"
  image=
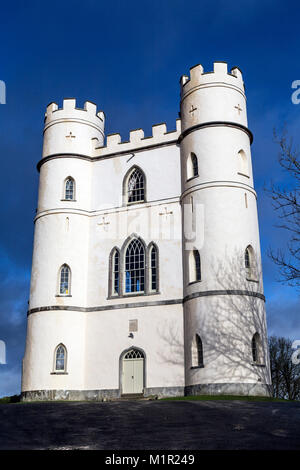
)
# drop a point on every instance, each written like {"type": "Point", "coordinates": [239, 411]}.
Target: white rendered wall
{"type": "Point", "coordinates": [159, 335]}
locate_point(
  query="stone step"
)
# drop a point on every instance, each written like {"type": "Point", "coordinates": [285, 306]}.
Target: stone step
{"type": "Point", "coordinates": [132, 396]}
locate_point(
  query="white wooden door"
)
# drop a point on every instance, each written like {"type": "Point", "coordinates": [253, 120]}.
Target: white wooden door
{"type": "Point", "coordinates": [133, 375]}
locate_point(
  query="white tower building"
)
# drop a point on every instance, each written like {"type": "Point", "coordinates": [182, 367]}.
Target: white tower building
{"type": "Point", "coordinates": [146, 275]}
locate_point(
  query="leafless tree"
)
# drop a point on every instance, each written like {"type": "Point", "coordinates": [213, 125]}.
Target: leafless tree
{"type": "Point", "coordinates": [285, 374]}
{"type": "Point", "coordinates": [286, 202]}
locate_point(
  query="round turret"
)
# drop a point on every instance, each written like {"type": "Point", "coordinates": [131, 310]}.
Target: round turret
{"type": "Point", "coordinates": [223, 294]}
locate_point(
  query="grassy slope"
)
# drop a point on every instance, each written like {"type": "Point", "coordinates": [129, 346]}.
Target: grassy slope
{"type": "Point", "coordinates": [224, 397]}
{"type": "Point", "coordinates": [16, 398]}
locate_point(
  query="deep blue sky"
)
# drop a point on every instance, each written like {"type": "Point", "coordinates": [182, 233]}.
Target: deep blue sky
{"type": "Point", "coordinates": [128, 57]}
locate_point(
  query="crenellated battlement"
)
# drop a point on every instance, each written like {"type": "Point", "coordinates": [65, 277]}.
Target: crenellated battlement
{"type": "Point", "coordinates": [69, 112]}
{"type": "Point", "coordinates": [137, 139]}
{"type": "Point", "coordinates": [198, 78]}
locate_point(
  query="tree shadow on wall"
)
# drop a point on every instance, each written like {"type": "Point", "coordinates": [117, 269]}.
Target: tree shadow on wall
{"type": "Point", "coordinates": [226, 322]}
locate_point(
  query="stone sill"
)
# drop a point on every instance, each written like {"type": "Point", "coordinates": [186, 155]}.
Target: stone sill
{"type": "Point", "coordinates": [124, 296]}
{"type": "Point", "coordinates": [198, 367]}
{"type": "Point", "coordinates": [69, 200]}
{"type": "Point", "coordinates": [59, 373]}
{"type": "Point", "coordinates": [63, 295]}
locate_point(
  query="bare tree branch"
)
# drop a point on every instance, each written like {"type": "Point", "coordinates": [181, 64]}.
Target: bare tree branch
{"type": "Point", "coordinates": [287, 204]}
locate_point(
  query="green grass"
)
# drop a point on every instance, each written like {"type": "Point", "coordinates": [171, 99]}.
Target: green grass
{"type": "Point", "coordinates": [223, 397]}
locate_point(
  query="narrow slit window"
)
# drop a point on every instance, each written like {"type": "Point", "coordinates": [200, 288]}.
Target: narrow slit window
{"type": "Point", "coordinates": [194, 164]}
{"type": "Point", "coordinates": [256, 347]}
{"type": "Point", "coordinates": [197, 351]}
{"type": "Point", "coordinates": [247, 259]}
{"type": "Point", "coordinates": [197, 265]}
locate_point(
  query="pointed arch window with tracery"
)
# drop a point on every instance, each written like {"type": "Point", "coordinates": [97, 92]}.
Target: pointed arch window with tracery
{"type": "Point", "coordinates": [135, 267]}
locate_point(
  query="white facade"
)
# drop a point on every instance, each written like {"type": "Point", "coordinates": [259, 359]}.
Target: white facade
{"type": "Point", "coordinates": [185, 314]}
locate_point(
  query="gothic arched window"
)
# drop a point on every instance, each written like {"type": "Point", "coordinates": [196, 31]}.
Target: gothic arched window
{"type": "Point", "coordinates": [64, 280]}
{"type": "Point", "coordinates": [135, 186]}
{"type": "Point", "coordinates": [69, 189]}
{"type": "Point", "coordinates": [153, 262]}
{"type": "Point", "coordinates": [60, 358]}
{"type": "Point", "coordinates": [135, 267]}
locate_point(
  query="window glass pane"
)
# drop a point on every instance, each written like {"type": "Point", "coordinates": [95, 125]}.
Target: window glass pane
{"type": "Point", "coordinates": [116, 273]}
{"type": "Point", "coordinates": [195, 165]}
{"type": "Point", "coordinates": [197, 265]}
{"type": "Point", "coordinates": [69, 189]}
{"type": "Point", "coordinates": [247, 258]}
{"type": "Point", "coordinates": [64, 280]}
{"type": "Point", "coordinates": [199, 350]}
{"type": "Point", "coordinates": [60, 358]}
{"type": "Point", "coordinates": [153, 269]}
{"type": "Point", "coordinates": [135, 267]}
{"type": "Point", "coordinates": [136, 187]}
{"type": "Point", "coordinates": [254, 349]}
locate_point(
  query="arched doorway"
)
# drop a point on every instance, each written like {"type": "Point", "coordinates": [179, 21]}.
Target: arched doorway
{"type": "Point", "coordinates": [133, 364]}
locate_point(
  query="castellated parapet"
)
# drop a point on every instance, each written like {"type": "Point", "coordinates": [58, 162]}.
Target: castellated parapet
{"type": "Point", "coordinates": [219, 75]}
{"type": "Point", "coordinates": [70, 129]}
{"type": "Point", "coordinates": [216, 96]}
{"type": "Point", "coordinates": [137, 140]}
{"type": "Point", "coordinates": [69, 111]}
